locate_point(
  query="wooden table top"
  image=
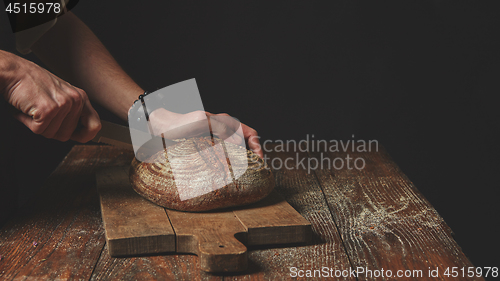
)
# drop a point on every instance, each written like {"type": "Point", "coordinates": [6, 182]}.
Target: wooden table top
{"type": "Point", "coordinates": [373, 219]}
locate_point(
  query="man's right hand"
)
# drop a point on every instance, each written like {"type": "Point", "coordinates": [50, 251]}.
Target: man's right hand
{"type": "Point", "coordinates": [47, 105]}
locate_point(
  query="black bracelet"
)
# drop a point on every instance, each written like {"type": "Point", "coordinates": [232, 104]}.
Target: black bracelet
{"type": "Point", "coordinates": [134, 114]}
{"type": "Point", "coordinates": [139, 108]}
{"type": "Point", "coordinates": [141, 97]}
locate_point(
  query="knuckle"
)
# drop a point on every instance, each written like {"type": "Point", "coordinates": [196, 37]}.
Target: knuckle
{"type": "Point", "coordinates": [76, 97]}
{"type": "Point", "coordinates": [81, 92]}
{"type": "Point", "coordinates": [46, 111]}
{"type": "Point", "coordinates": [65, 102]}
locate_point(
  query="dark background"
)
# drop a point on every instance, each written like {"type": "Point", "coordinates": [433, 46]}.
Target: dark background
{"type": "Point", "coordinates": [420, 77]}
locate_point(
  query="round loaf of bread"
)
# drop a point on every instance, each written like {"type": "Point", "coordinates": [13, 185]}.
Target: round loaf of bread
{"type": "Point", "coordinates": [200, 174]}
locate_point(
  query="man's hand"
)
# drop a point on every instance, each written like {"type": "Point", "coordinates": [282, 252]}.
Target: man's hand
{"type": "Point", "coordinates": [174, 125]}
{"type": "Point", "coordinates": [47, 105]}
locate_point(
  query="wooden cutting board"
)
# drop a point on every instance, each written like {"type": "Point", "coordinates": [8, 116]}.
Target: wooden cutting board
{"type": "Point", "coordinates": [135, 226]}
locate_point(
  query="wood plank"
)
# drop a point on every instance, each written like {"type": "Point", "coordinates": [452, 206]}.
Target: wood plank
{"type": "Point", "coordinates": [133, 225]}
{"type": "Point", "coordinates": [63, 220]}
{"type": "Point", "coordinates": [161, 267]}
{"type": "Point", "coordinates": [304, 194]}
{"type": "Point", "coordinates": [384, 221]}
{"type": "Point", "coordinates": [216, 237]}
{"type": "Point", "coordinates": [273, 221]}
{"type": "Point", "coordinates": [212, 237]}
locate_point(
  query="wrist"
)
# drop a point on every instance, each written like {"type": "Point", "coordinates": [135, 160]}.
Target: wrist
{"type": "Point", "coordinates": [145, 105]}
{"type": "Point", "coordinates": [135, 105]}
{"type": "Point", "coordinates": [120, 104]}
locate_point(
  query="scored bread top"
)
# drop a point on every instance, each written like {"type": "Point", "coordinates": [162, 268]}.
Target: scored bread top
{"type": "Point", "coordinates": [202, 173]}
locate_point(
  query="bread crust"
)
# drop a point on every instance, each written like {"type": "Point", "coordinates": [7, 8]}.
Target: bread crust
{"type": "Point", "coordinates": [202, 179]}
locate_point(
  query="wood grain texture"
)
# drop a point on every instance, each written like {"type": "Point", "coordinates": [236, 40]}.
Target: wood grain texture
{"type": "Point", "coordinates": [273, 221]}
{"type": "Point", "coordinates": [133, 225]}
{"type": "Point", "coordinates": [384, 221]}
{"type": "Point", "coordinates": [59, 235]}
{"type": "Point", "coordinates": [304, 194]}
{"type": "Point", "coordinates": [163, 267]}
{"type": "Point", "coordinates": [212, 237]}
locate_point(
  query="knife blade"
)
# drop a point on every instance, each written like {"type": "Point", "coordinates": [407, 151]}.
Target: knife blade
{"type": "Point", "coordinates": [114, 134]}
{"type": "Point", "coordinates": [120, 136]}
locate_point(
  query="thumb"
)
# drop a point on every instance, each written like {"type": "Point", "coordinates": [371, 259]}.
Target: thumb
{"type": "Point", "coordinates": [34, 124]}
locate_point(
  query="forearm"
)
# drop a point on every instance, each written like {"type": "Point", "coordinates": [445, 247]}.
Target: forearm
{"type": "Point", "coordinates": [74, 53]}
{"type": "Point", "coordinates": [5, 69]}
{"type": "Point", "coordinates": [9, 63]}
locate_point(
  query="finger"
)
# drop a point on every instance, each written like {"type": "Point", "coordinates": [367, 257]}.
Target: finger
{"type": "Point", "coordinates": [68, 126]}
{"type": "Point", "coordinates": [223, 131]}
{"type": "Point", "coordinates": [28, 122]}
{"type": "Point", "coordinates": [55, 123]}
{"type": "Point", "coordinates": [232, 123]}
{"type": "Point", "coordinates": [91, 124]}
{"type": "Point", "coordinates": [67, 100]}
{"type": "Point", "coordinates": [37, 119]}
{"type": "Point", "coordinates": [227, 128]}
{"type": "Point", "coordinates": [252, 138]}
{"type": "Point", "coordinates": [70, 122]}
